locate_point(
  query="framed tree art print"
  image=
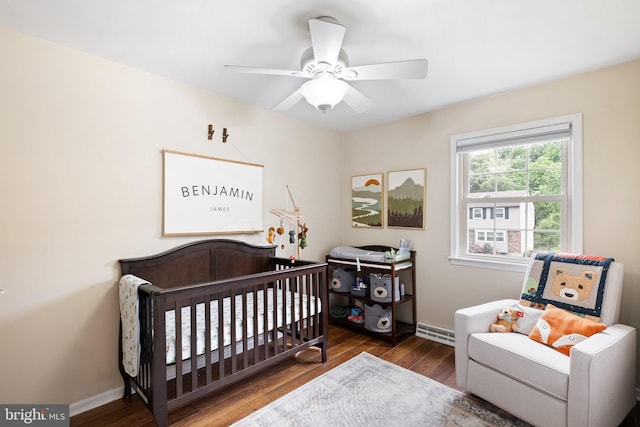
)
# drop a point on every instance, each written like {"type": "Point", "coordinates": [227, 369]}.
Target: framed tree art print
{"type": "Point", "coordinates": [367, 200]}
{"type": "Point", "coordinates": [406, 198]}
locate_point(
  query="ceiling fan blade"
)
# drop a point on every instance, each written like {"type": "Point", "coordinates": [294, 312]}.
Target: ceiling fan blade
{"type": "Point", "coordinates": [412, 69]}
{"type": "Point", "coordinates": [289, 101]}
{"type": "Point", "coordinates": [326, 39]}
{"type": "Point", "coordinates": [272, 71]}
{"type": "Point", "coordinates": [356, 100]}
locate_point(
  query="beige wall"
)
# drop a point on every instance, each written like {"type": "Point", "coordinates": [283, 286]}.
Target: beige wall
{"type": "Point", "coordinates": [609, 100]}
{"type": "Point", "coordinates": [81, 169]}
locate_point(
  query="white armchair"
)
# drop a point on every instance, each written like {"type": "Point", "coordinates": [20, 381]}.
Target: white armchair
{"type": "Point", "coordinates": [594, 386]}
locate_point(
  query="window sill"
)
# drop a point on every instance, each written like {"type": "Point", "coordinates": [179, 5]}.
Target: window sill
{"type": "Point", "coordinates": [517, 266]}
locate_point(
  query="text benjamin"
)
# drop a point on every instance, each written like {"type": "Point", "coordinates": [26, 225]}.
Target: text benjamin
{"type": "Point", "coordinates": [206, 190]}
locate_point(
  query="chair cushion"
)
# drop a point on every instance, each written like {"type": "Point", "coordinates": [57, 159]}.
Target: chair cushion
{"type": "Point", "coordinates": [561, 329]}
{"type": "Point", "coordinates": [518, 357]}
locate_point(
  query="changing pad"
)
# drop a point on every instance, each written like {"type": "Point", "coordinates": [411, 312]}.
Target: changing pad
{"type": "Point", "coordinates": [349, 252]}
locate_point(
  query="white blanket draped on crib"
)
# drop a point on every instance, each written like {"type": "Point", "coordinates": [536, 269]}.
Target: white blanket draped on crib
{"type": "Point", "coordinates": [128, 295]}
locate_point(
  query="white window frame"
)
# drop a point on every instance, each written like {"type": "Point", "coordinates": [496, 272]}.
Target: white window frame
{"type": "Point", "coordinates": [572, 221]}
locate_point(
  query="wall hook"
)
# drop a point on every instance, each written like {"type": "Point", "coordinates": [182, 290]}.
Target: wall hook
{"type": "Point", "coordinates": [225, 135]}
{"type": "Point", "coordinates": [211, 131]}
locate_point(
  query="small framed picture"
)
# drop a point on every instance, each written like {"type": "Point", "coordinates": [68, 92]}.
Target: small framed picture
{"type": "Point", "coordinates": [406, 198]}
{"type": "Point", "coordinates": [367, 201]}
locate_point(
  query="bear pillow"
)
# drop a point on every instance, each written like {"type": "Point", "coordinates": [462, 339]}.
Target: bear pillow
{"type": "Point", "coordinates": [561, 329]}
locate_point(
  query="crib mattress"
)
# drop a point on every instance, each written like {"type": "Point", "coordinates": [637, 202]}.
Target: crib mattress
{"type": "Point", "coordinates": [225, 330]}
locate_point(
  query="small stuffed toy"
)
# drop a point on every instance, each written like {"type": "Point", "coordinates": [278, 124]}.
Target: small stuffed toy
{"type": "Point", "coordinates": [506, 321]}
{"type": "Point", "coordinates": [302, 235]}
{"type": "Point", "coordinates": [271, 235]}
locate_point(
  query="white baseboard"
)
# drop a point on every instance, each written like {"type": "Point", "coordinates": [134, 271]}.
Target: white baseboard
{"type": "Point", "coordinates": [95, 401]}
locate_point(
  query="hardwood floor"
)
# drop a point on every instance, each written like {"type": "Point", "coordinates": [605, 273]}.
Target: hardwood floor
{"type": "Point", "coordinates": [428, 358]}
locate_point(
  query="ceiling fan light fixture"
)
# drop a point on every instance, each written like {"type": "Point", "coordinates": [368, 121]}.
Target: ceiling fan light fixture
{"type": "Point", "coordinates": [324, 93]}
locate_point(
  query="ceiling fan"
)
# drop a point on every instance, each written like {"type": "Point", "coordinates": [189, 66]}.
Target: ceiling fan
{"type": "Point", "coordinates": [326, 66]}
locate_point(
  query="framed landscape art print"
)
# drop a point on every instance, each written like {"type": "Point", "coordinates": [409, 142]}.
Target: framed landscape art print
{"type": "Point", "coordinates": [367, 200]}
{"type": "Point", "coordinates": [406, 195]}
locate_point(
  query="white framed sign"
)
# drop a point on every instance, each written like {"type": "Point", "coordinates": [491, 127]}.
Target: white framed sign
{"type": "Point", "coordinates": [207, 195]}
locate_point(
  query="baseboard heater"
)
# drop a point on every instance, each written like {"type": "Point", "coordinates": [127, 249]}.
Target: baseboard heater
{"type": "Point", "coordinates": [434, 333]}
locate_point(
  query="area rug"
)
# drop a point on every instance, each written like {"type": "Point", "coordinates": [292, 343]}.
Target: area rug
{"type": "Point", "coordinates": [369, 391]}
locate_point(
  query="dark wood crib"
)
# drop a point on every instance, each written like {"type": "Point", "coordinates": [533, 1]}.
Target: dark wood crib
{"type": "Point", "coordinates": [202, 277]}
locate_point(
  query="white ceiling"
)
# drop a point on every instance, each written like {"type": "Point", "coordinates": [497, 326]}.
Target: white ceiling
{"type": "Point", "coordinates": [474, 47]}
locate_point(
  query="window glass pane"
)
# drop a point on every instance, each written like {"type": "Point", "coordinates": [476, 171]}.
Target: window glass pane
{"type": "Point", "coordinates": [546, 241]}
{"type": "Point", "coordinates": [482, 162]}
{"type": "Point", "coordinates": [547, 226]}
{"type": "Point", "coordinates": [482, 168]}
{"type": "Point", "coordinates": [512, 181]}
{"type": "Point", "coordinates": [545, 166]}
{"type": "Point", "coordinates": [546, 154]}
{"type": "Point", "coordinates": [545, 182]}
{"type": "Point", "coordinates": [485, 183]}
{"type": "Point", "coordinates": [512, 158]}
{"type": "Point", "coordinates": [547, 215]}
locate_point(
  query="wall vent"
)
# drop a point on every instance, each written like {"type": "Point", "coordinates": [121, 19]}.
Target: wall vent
{"type": "Point", "coordinates": [434, 333]}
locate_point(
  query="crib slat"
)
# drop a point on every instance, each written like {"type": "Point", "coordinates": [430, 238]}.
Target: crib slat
{"type": "Point", "coordinates": [305, 305]}
{"type": "Point", "coordinates": [265, 321]}
{"type": "Point", "coordinates": [276, 317]}
{"type": "Point", "coordinates": [313, 304]}
{"type": "Point", "coordinates": [245, 330]}
{"type": "Point", "coordinates": [178, 325]}
{"type": "Point", "coordinates": [207, 338]}
{"type": "Point", "coordinates": [321, 291]}
{"type": "Point", "coordinates": [300, 319]}
{"type": "Point", "coordinates": [283, 314]}
{"type": "Point", "coordinates": [220, 350]}
{"type": "Point", "coordinates": [194, 344]}
{"type": "Point", "coordinates": [256, 331]}
{"type": "Point", "coordinates": [293, 283]}
{"type": "Point", "coordinates": [232, 346]}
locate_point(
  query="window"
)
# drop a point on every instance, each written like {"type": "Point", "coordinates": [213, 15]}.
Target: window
{"type": "Point", "coordinates": [516, 190]}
